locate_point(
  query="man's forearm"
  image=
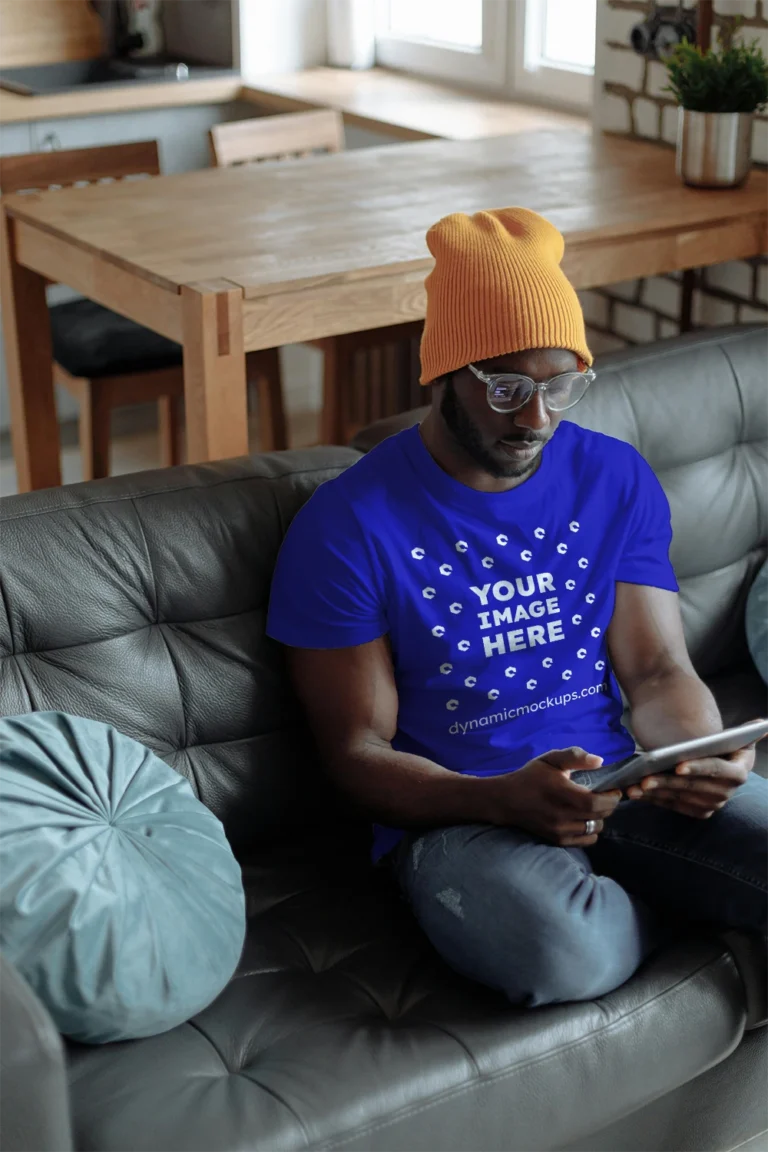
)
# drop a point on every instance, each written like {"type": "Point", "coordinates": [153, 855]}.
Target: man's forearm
{"type": "Point", "coordinates": [410, 791]}
{"type": "Point", "coordinates": [673, 707]}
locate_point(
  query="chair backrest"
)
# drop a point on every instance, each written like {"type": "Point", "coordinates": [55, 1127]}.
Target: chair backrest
{"type": "Point", "coordinates": [277, 137]}
{"type": "Point", "coordinates": [60, 169]}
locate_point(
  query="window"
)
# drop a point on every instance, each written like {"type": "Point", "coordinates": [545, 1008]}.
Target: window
{"type": "Point", "coordinates": [463, 40]}
{"type": "Point", "coordinates": [461, 22]}
{"type": "Point", "coordinates": [554, 49]}
{"type": "Point", "coordinates": [541, 49]}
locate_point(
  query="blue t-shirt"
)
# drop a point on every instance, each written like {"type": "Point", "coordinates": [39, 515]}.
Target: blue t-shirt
{"type": "Point", "coordinates": [496, 604]}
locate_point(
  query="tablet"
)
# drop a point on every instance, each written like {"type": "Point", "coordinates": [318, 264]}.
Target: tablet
{"type": "Point", "coordinates": [631, 771]}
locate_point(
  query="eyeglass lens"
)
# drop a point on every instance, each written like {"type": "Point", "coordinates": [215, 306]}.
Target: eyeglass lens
{"type": "Point", "coordinates": [514, 392]}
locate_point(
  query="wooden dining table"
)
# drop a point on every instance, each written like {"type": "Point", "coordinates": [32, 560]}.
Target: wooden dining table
{"type": "Point", "coordinates": [233, 260]}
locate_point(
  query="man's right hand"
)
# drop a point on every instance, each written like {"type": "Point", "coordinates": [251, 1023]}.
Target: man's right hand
{"type": "Point", "coordinates": [541, 799]}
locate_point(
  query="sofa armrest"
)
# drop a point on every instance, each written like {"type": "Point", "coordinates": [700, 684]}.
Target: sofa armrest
{"type": "Point", "coordinates": [34, 1098]}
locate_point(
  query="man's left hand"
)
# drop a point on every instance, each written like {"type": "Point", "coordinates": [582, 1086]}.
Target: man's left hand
{"type": "Point", "coordinates": [697, 788]}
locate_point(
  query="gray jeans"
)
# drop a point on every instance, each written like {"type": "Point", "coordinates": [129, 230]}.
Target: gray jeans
{"type": "Point", "coordinates": [546, 924]}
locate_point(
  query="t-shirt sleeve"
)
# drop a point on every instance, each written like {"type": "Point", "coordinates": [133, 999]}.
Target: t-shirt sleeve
{"type": "Point", "coordinates": [324, 591]}
{"type": "Point", "coordinates": [645, 556]}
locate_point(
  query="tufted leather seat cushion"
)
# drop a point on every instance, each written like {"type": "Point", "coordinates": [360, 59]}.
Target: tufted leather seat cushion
{"type": "Point", "coordinates": [343, 1030]}
{"type": "Point", "coordinates": [91, 341]}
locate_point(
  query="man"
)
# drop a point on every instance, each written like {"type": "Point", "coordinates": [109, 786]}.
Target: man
{"type": "Point", "coordinates": [460, 608]}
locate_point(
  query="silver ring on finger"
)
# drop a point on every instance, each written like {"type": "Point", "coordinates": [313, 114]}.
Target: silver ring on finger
{"type": "Point", "coordinates": [590, 827]}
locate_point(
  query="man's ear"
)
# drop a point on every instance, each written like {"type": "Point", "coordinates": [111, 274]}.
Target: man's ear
{"type": "Point", "coordinates": [435, 389]}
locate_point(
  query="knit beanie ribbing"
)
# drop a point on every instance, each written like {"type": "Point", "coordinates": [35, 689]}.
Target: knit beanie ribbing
{"type": "Point", "coordinates": [497, 287]}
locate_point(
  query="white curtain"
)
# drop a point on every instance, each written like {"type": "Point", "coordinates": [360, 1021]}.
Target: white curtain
{"type": "Point", "coordinates": [351, 33]}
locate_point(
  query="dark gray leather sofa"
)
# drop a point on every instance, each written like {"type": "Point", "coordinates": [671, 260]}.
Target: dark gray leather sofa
{"type": "Point", "coordinates": [141, 601]}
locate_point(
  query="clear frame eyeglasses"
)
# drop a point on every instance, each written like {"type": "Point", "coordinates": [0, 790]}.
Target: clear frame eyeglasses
{"type": "Point", "coordinates": [508, 392]}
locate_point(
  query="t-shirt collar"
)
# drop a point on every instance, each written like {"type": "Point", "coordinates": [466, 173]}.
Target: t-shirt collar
{"type": "Point", "coordinates": [449, 490]}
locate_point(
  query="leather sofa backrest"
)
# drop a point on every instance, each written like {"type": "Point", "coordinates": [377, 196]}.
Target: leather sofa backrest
{"type": "Point", "coordinates": [697, 409]}
{"type": "Point", "coordinates": [141, 601]}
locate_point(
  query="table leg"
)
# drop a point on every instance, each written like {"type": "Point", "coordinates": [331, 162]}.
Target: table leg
{"type": "Point", "coordinates": [686, 304]}
{"type": "Point", "coordinates": [29, 360]}
{"type": "Point", "coordinates": [214, 371]}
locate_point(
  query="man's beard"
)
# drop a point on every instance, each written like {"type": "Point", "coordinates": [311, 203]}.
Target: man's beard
{"type": "Point", "coordinates": [467, 435]}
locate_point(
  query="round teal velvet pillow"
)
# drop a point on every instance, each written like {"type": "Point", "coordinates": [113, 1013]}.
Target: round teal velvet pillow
{"type": "Point", "coordinates": [120, 899]}
{"type": "Point", "coordinates": [757, 621]}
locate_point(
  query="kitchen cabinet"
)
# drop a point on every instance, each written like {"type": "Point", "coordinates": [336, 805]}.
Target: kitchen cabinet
{"type": "Point", "coordinates": [15, 138]}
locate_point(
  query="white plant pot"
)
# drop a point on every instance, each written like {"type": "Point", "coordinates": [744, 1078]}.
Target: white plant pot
{"type": "Point", "coordinates": [351, 33]}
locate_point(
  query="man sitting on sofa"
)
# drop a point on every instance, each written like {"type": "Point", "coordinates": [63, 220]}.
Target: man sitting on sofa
{"type": "Point", "coordinates": [460, 607]}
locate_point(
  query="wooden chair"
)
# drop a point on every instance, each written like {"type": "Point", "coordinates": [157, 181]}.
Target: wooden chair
{"type": "Point", "coordinates": [105, 360]}
{"type": "Point", "coordinates": [271, 138]}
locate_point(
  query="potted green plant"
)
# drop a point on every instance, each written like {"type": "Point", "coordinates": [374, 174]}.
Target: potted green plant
{"type": "Point", "coordinates": [718, 93]}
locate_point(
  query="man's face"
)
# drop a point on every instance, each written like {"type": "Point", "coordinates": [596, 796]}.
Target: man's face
{"type": "Point", "coordinates": [504, 444]}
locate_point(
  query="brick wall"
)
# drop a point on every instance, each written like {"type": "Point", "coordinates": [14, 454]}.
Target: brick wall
{"type": "Point", "coordinates": [629, 101]}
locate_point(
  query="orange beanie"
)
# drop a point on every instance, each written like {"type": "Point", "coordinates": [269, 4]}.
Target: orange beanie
{"type": "Point", "coordinates": [497, 287]}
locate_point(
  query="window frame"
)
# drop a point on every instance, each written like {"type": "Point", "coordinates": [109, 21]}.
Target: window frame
{"type": "Point", "coordinates": [573, 86]}
{"type": "Point", "coordinates": [514, 33]}
{"type": "Point", "coordinates": [483, 68]}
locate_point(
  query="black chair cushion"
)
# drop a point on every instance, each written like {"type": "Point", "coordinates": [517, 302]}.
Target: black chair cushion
{"type": "Point", "coordinates": [91, 341]}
